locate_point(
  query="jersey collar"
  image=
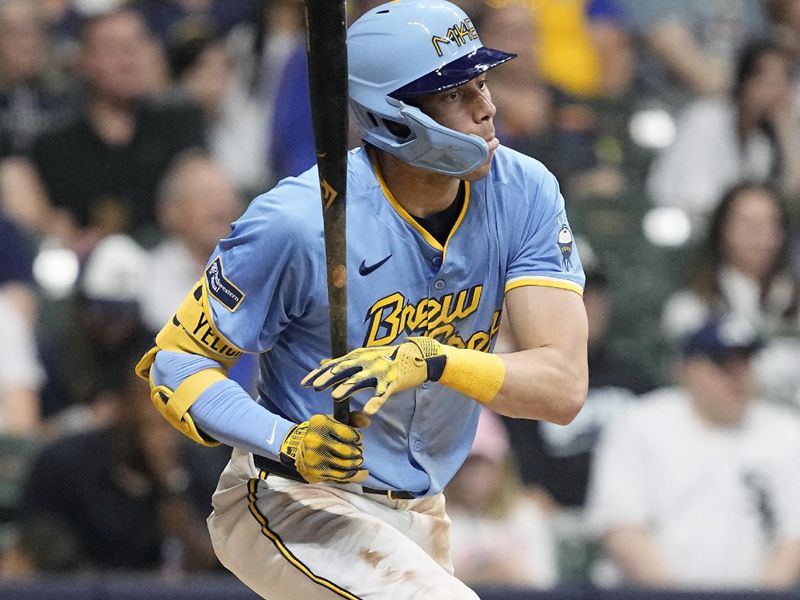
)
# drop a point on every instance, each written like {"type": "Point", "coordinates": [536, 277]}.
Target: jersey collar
{"type": "Point", "coordinates": [432, 241]}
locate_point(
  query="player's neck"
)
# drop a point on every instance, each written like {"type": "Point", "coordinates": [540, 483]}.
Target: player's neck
{"type": "Point", "coordinates": [419, 191]}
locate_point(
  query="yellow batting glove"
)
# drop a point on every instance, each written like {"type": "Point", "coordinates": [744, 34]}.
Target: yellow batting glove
{"type": "Point", "coordinates": [323, 449]}
{"type": "Point", "coordinates": [391, 369]}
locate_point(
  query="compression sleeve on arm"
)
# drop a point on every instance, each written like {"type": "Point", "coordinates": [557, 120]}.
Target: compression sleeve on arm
{"type": "Point", "coordinates": [227, 413]}
{"type": "Point", "coordinates": [223, 411]}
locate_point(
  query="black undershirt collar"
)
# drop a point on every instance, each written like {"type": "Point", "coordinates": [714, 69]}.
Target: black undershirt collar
{"type": "Point", "coordinates": [440, 224]}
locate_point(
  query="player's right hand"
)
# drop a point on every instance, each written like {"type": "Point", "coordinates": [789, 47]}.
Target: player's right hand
{"type": "Point", "coordinates": [323, 449]}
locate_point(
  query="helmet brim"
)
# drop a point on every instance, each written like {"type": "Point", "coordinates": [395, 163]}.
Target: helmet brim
{"type": "Point", "coordinates": [453, 74]}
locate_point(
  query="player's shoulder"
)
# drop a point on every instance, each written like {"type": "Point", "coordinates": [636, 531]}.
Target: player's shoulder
{"type": "Point", "coordinates": [360, 172]}
{"type": "Point", "coordinates": [294, 204]}
{"type": "Point", "coordinates": [511, 167]}
{"type": "Point", "coordinates": [291, 209]}
{"type": "Point", "coordinates": [520, 182]}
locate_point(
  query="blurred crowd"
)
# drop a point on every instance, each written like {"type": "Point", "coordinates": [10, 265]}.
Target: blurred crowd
{"type": "Point", "coordinates": [133, 132]}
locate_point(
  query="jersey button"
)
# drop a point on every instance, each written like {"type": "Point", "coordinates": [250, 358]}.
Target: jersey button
{"type": "Point", "coordinates": [426, 385]}
{"type": "Point", "coordinates": [418, 445]}
{"type": "Point", "coordinates": [439, 284]}
{"type": "Point", "coordinates": [436, 260]}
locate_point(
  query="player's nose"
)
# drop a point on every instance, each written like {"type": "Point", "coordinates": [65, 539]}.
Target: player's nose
{"type": "Point", "coordinates": [484, 108]}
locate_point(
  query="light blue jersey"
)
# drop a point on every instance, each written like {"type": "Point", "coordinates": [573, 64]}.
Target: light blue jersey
{"type": "Point", "coordinates": [268, 294]}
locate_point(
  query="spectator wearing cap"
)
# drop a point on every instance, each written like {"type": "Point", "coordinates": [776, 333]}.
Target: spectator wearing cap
{"type": "Point", "coordinates": [94, 346]}
{"type": "Point", "coordinates": [696, 486]}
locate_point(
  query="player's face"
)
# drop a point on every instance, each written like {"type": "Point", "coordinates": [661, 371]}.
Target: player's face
{"type": "Point", "coordinates": [469, 109]}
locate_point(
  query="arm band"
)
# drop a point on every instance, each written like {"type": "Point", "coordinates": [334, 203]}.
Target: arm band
{"type": "Point", "coordinates": [476, 374]}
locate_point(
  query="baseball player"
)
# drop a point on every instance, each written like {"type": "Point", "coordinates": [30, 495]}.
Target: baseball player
{"type": "Point", "coordinates": [450, 237]}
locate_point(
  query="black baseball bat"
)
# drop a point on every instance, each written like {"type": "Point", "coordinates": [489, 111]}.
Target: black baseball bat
{"type": "Point", "coordinates": [326, 42]}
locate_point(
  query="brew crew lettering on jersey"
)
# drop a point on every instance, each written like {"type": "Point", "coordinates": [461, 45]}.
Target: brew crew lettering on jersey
{"type": "Point", "coordinates": [460, 303]}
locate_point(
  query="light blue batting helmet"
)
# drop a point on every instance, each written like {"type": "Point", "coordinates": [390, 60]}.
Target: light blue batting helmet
{"type": "Point", "coordinates": [409, 48]}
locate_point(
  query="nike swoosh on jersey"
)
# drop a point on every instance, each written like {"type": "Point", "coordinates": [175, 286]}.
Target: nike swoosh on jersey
{"type": "Point", "coordinates": [364, 270]}
{"type": "Point", "coordinates": [271, 438]}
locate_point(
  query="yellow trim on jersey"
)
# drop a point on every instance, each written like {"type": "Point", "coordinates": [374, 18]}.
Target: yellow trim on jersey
{"type": "Point", "coordinates": [192, 331]}
{"type": "Point", "coordinates": [432, 241]}
{"type": "Point", "coordinates": [460, 218]}
{"type": "Point", "coordinates": [553, 282]}
{"type": "Point", "coordinates": [252, 488]}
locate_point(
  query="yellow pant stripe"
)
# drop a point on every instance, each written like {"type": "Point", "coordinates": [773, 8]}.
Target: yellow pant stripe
{"type": "Point", "coordinates": [252, 487]}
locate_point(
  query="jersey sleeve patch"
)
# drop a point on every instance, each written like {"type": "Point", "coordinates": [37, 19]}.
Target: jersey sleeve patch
{"type": "Point", "coordinates": [221, 287]}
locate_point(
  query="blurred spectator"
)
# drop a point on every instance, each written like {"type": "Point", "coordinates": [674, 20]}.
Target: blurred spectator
{"type": "Point", "coordinates": [744, 268]}
{"type": "Point", "coordinates": [688, 48]}
{"type": "Point", "coordinates": [203, 71]}
{"type": "Point", "coordinates": [696, 486]}
{"type": "Point", "coordinates": [32, 98]}
{"type": "Point", "coordinates": [554, 460]}
{"type": "Point", "coordinates": [498, 536]}
{"type": "Point", "coordinates": [16, 269]}
{"type": "Point", "coordinates": [583, 47]}
{"type": "Point", "coordinates": [103, 167]}
{"type": "Point", "coordinates": [290, 137]}
{"type": "Point", "coordinates": [21, 374]}
{"type": "Point", "coordinates": [785, 20]}
{"type": "Point", "coordinates": [784, 16]}
{"type": "Point", "coordinates": [23, 199]}
{"type": "Point", "coordinates": [539, 120]}
{"type": "Point", "coordinates": [755, 134]}
{"type": "Point", "coordinates": [261, 52]}
{"type": "Point", "coordinates": [196, 206]}
{"type": "Point", "coordinates": [163, 17]}
{"type": "Point", "coordinates": [126, 496]}
{"type": "Point", "coordinates": [103, 330]}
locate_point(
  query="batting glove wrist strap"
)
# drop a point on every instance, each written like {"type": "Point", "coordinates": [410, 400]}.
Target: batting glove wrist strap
{"type": "Point", "coordinates": [476, 374]}
{"type": "Point", "coordinates": [323, 449]}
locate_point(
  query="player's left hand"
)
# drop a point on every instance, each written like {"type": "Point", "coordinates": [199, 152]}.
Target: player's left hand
{"type": "Point", "coordinates": [387, 369]}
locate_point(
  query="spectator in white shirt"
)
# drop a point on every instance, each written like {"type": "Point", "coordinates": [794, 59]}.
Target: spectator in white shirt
{"type": "Point", "coordinates": [696, 486]}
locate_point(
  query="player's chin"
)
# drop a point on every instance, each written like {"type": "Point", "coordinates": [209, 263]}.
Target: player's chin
{"type": "Point", "coordinates": [481, 171]}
